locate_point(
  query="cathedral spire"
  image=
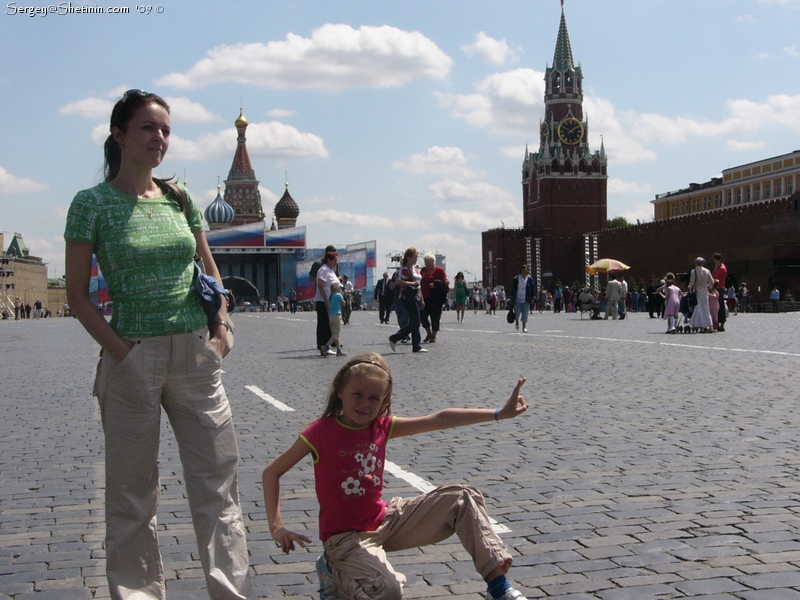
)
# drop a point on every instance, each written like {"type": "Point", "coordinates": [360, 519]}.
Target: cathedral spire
{"type": "Point", "coordinates": [562, 58]}
{"type": "Point", "coordinates": [241, 186]}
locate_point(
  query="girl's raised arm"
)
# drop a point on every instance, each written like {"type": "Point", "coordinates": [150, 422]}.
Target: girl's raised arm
{"type": "Point", "coordinates": [270, 480]}
{"type": "Point", "coordinates": [458, 417]}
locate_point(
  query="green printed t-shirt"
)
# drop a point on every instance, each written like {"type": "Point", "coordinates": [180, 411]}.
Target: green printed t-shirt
{"type": "Point", "coordinates": [145, 249]}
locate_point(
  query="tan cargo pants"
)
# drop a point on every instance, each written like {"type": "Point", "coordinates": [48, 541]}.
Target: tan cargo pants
{"type": "Point", "coordinates": [180, 373]}
{"type": "Point", "coordinates": [358, 559]}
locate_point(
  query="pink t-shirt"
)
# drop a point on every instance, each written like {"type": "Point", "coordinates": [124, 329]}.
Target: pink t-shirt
{"type": "Point", "coordinates": [348, 473]}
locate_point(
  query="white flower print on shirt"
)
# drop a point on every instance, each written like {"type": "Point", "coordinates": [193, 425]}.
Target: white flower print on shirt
{"type": "Point", "coordinates": [369, 464]}
{"type": "Point", "coordinates": [352, 486]}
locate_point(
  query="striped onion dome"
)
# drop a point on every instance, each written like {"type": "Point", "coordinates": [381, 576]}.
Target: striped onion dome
{"type": "Point", "coordinates": [219, 211]}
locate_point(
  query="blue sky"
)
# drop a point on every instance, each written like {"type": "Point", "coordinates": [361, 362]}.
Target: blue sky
{"type": "Point", "coordinates": [399, 121]}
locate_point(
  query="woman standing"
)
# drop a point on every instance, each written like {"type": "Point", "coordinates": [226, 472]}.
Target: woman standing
{"type": "Point", "coordinates": [462, 291]}
{"type": "Point", "coordinates": [157, 351]}
{"type": "Point", "coordinates": [408, 280]}
{"type": "Point", "coordinates": [523, 291]}
{"type": "Point", "coordinates": [701, 282]}
{"type": "Point", "coordinates": [434, 287]}
{"type": "Point", "coordinates": [326, 278]}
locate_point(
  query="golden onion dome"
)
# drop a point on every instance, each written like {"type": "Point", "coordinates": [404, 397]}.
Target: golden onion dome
{"type": "Point", "coordinates": [241, 121]}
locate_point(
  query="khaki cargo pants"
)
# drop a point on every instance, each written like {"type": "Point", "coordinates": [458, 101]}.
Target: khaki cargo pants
{"type": "Point", "coordinates": [358, 559]}
{"type": "Point", "coordinates": [180, 373]}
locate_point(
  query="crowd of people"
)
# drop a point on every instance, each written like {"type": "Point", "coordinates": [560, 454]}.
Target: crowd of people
{"type": "Point", "coordinates": [24, 310]}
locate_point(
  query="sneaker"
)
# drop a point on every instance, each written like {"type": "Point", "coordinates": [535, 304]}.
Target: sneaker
{"type": "Point", "coordinates": [511, 594]}
{"type": "Point", "coordinates": [421, 350]}
{"type": "Point", "coordinates": [331, 352]}
{"type": "Point", "coordinates": [340, 353]}
{"type": "Point", "coordinates": [392, 344]}
{"type": "Point", "coordinates": [327, 589]}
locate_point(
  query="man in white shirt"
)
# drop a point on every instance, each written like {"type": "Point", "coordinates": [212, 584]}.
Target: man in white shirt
{"type": "Point", "coordinates": [613, 294]}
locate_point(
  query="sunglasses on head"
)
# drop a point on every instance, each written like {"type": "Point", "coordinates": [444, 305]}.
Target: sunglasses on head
{"type": "Point", "coordinates": [138, 94]}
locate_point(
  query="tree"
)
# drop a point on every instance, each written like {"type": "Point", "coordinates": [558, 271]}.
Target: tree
{"type": "Point", "coordinates": [616, 223]}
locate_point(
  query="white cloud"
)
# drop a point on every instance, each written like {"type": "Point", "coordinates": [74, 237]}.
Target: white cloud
{"type": "Point", "coordinates": [335, 57]}
{"type": "Point", "coordinates": [90, 108]}
{"type": "Point", "coordinates": [463, 252]}
{"type": "Point", "coordinates": [518, 152]}
{"type": "Point", "coordinates": [485, 193]}
{"type": "Point", "coordinates": [621, 145]}
{"type": "Point", "coordinates": [638, 212]}
{"type": "Point", "coordinates": [736, 146]}
{"type": "Point", "coordinates": [628, 134]}
{"type": "Point", "coordinates": [272, 140]}
{"type": "Point", "coordinates": [181, 109]}
{"type": "Point", "coordinates": [184, 110]}
{"type": "Point", "coordinates": [498, 207]}
{"type": "Point", "coordinates": [278, 140]}
{"type": "Point", "coordinates": [10, 184]}
{"type": "Point", "coordinates": [60, 212]}
{"type": "Point", "coordinates": [334, 217]}
{"type": "Point", "coordinates": [280, 113]}
{"type": "Point", "coordinates": [489, 50]}
{"type": "Point", "coordinates": [791, 51]}
{"type": "Point", "coordinates": [100, 133]}
{"type": "Point", "coordinates": [749, 116]}
{"type": "Point", "coordinates": [505, 103]}
{"type": "Point", "coordinates": [268, 198]}
{"type": "Point", "coordinates": [618, 186]}
{"type": "Point", "coordinates": [465, 220]}
{"type": "Point", "coordinates": [339, 218]}
{"type": "Point", "coordinates": [438, 160]}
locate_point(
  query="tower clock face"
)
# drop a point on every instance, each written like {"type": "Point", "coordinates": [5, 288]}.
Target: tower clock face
{"type": "Point", "coordinates": [570, 131]}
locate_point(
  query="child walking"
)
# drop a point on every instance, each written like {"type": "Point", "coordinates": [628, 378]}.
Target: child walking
{"type": "Point", "coordinates": [335, 319]}
{"type": "Point", "coordinates": [713, 305]}
{"type": "Point", "coordinates": [672, 295]}
{"type": "Point", "coordinates": [357, 528]}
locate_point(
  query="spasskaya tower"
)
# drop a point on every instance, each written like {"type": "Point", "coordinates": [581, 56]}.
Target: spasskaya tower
{"type": "Point", "coordinates": [563, 183]}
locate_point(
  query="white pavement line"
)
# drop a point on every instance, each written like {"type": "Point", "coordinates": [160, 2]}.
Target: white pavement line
{"type": "Point", "coordinates": [414, 480]}
{"type": "Point", "coordinates": [426, 486]}
{"type": "Point", "coordinates": [645, 342]}
{"type": "Point", "coordinates": [265, 396]}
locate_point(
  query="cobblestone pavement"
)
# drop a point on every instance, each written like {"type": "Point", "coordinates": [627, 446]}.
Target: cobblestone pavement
{"type": "Point", "coordinates": [649, 466]}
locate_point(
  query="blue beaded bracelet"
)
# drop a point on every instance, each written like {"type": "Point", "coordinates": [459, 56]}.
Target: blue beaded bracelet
{"type": "Point", "coordinates": [496, 414]}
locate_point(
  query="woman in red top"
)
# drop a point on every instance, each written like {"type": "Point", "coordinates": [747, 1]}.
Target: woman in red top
{"type": "Point", "coordinates": [434, 287]}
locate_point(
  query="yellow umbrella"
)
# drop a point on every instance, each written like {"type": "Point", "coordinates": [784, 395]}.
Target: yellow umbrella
{"type": "Point", "coordinates": [606, 265]}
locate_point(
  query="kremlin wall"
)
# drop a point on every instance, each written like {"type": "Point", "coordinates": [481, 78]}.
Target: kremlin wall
{"type": "Point", "coordinates": [760, 243]}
